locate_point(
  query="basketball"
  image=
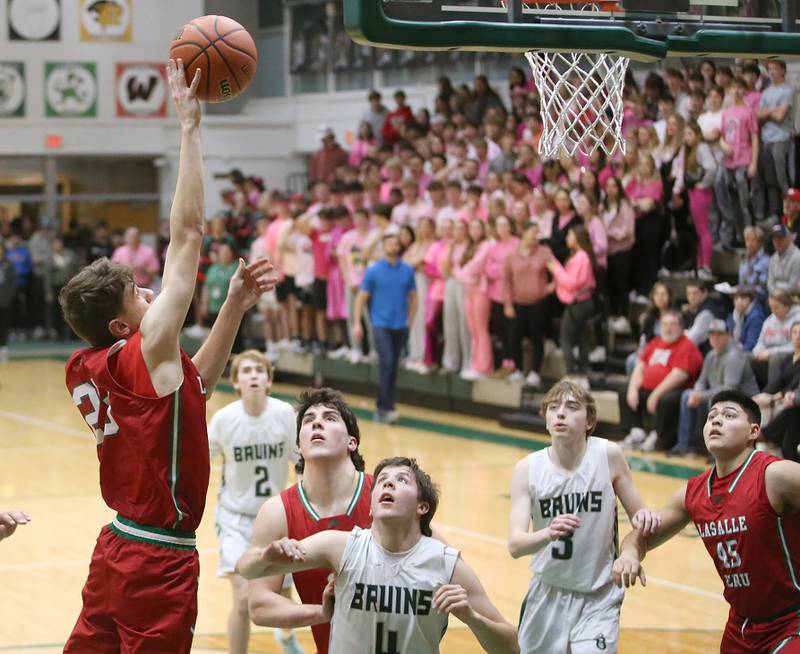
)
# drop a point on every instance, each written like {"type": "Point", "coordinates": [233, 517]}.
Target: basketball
{"type": "Point", "coordinates": [223, 50]}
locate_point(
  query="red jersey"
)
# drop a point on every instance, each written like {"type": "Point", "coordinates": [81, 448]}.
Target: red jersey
{"type": "Point", "coordinates": [302, 520]}
{"type": "Point", "coordinates": [755, 550]}
{"type": "Point", "coordinates": [153, 451]}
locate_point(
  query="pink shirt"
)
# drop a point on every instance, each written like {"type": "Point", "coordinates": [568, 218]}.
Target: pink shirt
{"type": "Point", "coordinates": [636, 190]}
{"type": "Point", "coordinates": [738, 123]}
{"type": "Point", "coordinates": [271, 237]}
{"type": "Point", "coordinates": [575, 281]}
{"type": "Point", "coordinates": [434, 258]}
{"type": "Point", "coordinates": [411, 214]}
{"type": "Point", "coordinates": [351, 251]}
{"type": "Point", "coordinates": [143, 261]}
{"type": "Point", "coordinates": [473, 273]}
{"type": "Point", "coordinates": [495, 264]}
{"type": "Point", "coordinates": [599, 239]}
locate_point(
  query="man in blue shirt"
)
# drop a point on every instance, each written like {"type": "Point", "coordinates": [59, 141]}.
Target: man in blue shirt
{"type": "Point", "coordinates": [389, 287]}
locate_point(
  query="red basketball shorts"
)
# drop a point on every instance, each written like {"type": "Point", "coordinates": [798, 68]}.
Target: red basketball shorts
{"type": "Point", "coordinates": [139, 598]}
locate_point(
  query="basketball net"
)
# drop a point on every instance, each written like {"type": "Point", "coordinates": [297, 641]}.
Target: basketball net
{"type": "Point", "coordinates": [581, 95]}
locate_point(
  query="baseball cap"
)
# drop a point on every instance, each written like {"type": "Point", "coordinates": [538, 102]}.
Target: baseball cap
{"type": "Point", "coordinates": [779, 230]}
{"type": "Point", "coordinates": [324, 131]}
{"type": "Point", "coordinates": [717, 325]}
{"type": "Point", "coordinates": [793, 194]}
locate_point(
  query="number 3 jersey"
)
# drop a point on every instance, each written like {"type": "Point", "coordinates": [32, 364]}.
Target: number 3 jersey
{"type": "Point", "coordinates": [153, 451]}
{"type": "Point", "coordinates": [384, 600]}
{"type": "Point", "coordinates": [256, 452]}
{"type": "Point", "coordinates": [756, 551]}
{"type": "Point", "coordinates": [581, 561]}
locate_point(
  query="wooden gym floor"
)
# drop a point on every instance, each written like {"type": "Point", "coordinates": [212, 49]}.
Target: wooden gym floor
{"type": "Point", "coordinates": [48, 467]}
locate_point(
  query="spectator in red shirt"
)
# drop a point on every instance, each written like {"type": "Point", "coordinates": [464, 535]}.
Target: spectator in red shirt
{"type": "Point", "coordinates": [397, 120]}
{"type": "Point", "coordinates": [328, 158]}
{"type": "Point", "coordinates": [669, 364]}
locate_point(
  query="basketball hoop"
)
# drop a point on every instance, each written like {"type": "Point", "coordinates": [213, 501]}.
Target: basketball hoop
{"type": "Point", "coordinates": [581, 93]}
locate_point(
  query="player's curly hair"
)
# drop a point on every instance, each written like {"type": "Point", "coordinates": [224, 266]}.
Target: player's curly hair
{"type": "Point", "coordinates": [335, 400]}
{"type": "Point", "coordinates": [427, 491]}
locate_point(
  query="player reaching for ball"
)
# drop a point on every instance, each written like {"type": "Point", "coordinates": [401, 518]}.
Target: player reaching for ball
{"type": "Point", "coordinates": [144, 400]}
{"type": "Point", "coordinates": [746, 511]}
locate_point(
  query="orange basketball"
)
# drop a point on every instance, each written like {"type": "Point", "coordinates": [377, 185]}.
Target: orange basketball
{"type": "Point", "coordinates": [223, 50]}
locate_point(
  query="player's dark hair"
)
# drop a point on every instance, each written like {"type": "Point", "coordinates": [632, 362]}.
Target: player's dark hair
{"type": "Point", "coordinates": [427, 491]}
{"type": "Point", "coordinates": [332, 399]}
{"type": "Point", "coordinates": [93, 298]}
{"type": "Point", "coordinates": [741, 399]}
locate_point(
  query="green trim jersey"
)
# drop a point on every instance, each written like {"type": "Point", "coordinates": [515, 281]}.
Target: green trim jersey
{"type": "Point", "coordinates": [256, 451]}
{"type": "Point", "coordinates": [384, 600]}
{"type": "Point", "coordinates": [581, 561]}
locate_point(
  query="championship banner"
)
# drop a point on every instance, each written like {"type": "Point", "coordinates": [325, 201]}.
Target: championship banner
{"type": "Point", "coordinates": [70, 89]}
{"type": "Point", "coordinates": [106, 20]}
{"type": "Point", "coordinates": [34, 20]}
{"type": "Point", "coordinates": [141, 90]}
{"type": "Point", "coordinates": [12, 89]}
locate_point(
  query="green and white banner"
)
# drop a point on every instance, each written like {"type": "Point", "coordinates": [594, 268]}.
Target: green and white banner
{"type": "Point", "coordinates": [12, 89]}
{"type": "Point", "coordinates": [70, 89]}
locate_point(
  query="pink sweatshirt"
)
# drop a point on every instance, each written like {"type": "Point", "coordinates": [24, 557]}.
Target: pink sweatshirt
{"type": "Point", "coordinates": [495, 264]}
{"type": "Point", "coordinates": [599, 239]}
{"type": "Point", "coordinates": [434, 258]}
{"type": "Point", "coordinates": [473, 273]}
{"type": "Point", "coordinates": [575, 281]}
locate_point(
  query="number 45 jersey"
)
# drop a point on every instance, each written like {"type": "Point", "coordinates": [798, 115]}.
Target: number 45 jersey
{"type": "Point", "coordinates": [756, 551]}
{"type": "Point", "coordinates": [153, 451]}
{"type": "Point", "coordinates": [384, 600]}
{"type": "Point", "coordinates": [582, 561]}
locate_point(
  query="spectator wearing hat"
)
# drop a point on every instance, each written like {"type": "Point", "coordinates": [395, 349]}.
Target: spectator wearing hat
{"type": "Point", "coordinates": [746, 319]}
{"type": "Point", "coordinates": [375, 115]}
{"type": "Point", "coordinates": [328, 158]}
{"type": "Point", "coordinates": [726, 367]}
{"type": "Point", "coordinates": [791, 213]}
{"type": "Point", "coordinates": [784, 264]}
{"type": "Point", "coordinates": [775, 117]}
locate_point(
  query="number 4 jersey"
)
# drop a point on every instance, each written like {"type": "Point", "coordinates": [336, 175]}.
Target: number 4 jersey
{"type": "Point", "coordinates": [756, 551]}
{"type": "Point", "coordinates": [384, 600]}
{"type": "Point", "coordinates": [153, 451]}
{"type": "Point", "coordinates": [582, 561]}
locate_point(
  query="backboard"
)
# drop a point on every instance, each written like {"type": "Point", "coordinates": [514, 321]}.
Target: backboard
{"type": "Point", "coordinates": [645, 30]}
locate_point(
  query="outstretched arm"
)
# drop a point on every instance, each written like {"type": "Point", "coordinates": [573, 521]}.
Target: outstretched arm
{"type": "Point", "coordinates": [642, 519]}
{"type": "Point", "coordinates": [162, 323]}
{"type": "Point", "coordinates": [674, 517]}
{"type": "Point", "coordinates": [782, 480]}
{"type": "Point", "coordinates": [10, 520]}
{"type": "Point", "coordinates": [466, 599]}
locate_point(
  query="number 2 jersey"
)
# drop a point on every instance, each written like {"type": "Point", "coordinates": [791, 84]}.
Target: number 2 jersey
{"type": "Point", "coordinates": [384, 600]}
{"type": "Point", "coordinates": [756, 551]}
{"type": "Point", "coordinates": [153, 451]}
{"type": "Point", "coordinates": [582, 561]}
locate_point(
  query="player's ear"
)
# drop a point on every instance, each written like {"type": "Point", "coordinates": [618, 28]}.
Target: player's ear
{"type": "Point", "coordinates": [119, 328]}
{"type": "Point", "coordinates": [352, 444]}
{"type": "Point", "coordinates": [423, 508]}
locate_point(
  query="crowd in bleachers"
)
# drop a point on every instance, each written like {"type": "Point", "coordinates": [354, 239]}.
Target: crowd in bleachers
{"type": "Point", "coordinates": [508, 248]}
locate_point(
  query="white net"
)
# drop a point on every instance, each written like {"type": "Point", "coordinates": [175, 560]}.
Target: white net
{"type": "Point", "coordinates": [581, 101]}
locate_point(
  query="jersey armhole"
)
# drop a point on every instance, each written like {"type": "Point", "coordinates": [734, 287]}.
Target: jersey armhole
{"type": "Point", "coordinates": [762, 481]}
{"type": "Point", "coordinates": [352, 539]}
{"type": "Point", "coordinates": [452, 557]}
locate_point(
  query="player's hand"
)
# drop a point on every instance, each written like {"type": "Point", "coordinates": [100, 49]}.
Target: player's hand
{"type": "Point", "coordinates": [185, 97]}
{"type": "Point", "coordinates": [626, 569]}
{"type": "Point", "coordinates": [10, 520]}
{"type": "Point", "coordinates": [249, 282]}
{"type": "Point", "coordinates": [328, 598]}
{"type": "Point", "coordinates": [453, 599]}
{"type": "Point", "coordinates": [284, 550]}
{"type": "Point", "coordinates": [563, 525]}
{"type": "Point", "coordinates": [646, 521]}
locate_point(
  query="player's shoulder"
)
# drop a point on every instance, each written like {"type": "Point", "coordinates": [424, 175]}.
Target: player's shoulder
{"type": "Point", "coordinates": [280, 406]}
{"type": "Point", "coordinates": [228, 412]}
{"type": "Point", "coordinates": [271, 518]}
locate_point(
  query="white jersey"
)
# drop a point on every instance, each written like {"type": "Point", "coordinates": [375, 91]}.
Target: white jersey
{"type": "Point", "coordinates": [256, 452]}
{"type": "Point", "coordinates": [384, 600]}
{"type": "Point", "coordinates": [582, 561]}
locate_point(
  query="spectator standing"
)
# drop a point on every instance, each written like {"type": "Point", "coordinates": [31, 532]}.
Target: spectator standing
{"type": "Point", "coordinates": [784, 265]}
{"type": "Point", "coordinates": [139, 257]}
{"type": "Point", "coordinates": [365, 141]}
{"type": "Point", "coordinates": [8, 288]}
{"type": "Point", "coordinates": [646, 193]}
{"type": "Point", "coordinates": [526, 287]}
{"type": "Point", "coordinates": [40, 248]}
{"type": "Point", "coordinates": [746, 319]}
{"type": "Point", "coordinates": [215, 289]}
{"type": "Point", "coordinates": [434, 300]}
{"type": "Point", "coordinates": [21, 307]}
{"type": "Point", "coordinates": [775, 117]}
{"type": "Point", "coordinates": [620, 223]}
{"type": "Point", "coordinates": [100, 245]}
{"type": "Point", "coordinates": [726, 367]}
{"type": "Point", "coordinates": [412, 208]}
{"type": "Point", "coordinates": [415, 257]}
{"type": "Point", "coordinates": [58, 268]}
{"type": "Point", "coordinates": [574, 285]}
{"type": "Point", "coordinates": [564, 220]}
{"type": "Point", "coordinates": [327, 158]}
{"type": "Point", "coordinates": [456, 355]}
{"type": "Point", "coordinates": [389, 288]}
{"type": "Point", "coordinates": [375, 115]}
{"type": "Point", "coordinates": [505, 241]}
{"type": "Point", "coordinates": [395, 123]}
{"type": "Point", "coordinates": [739, 143]}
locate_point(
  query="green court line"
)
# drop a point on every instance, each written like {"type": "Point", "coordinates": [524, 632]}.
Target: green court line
{"type": "Point", "coordinates": [639, 464]}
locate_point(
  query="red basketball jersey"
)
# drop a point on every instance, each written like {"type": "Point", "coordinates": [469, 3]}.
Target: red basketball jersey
{"type": "Point", "coordinates": [302, 520]}
{"type": "Point", "coordinates": [153, 451]}
{"type": "Point", "coordinates": [756, 551]}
